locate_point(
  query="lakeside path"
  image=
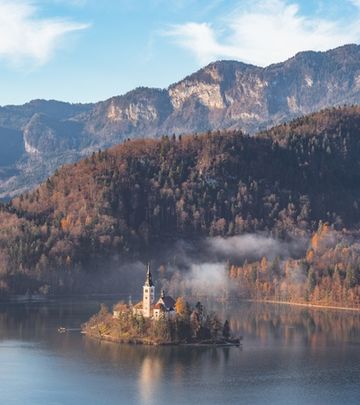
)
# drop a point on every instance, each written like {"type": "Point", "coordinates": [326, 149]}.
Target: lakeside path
{"type": "Point", "coordinates": [305, 305]}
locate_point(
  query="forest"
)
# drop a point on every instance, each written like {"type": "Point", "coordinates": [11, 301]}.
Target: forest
{"type": "Point", "coordinates": [328, 274]}
{"type": "Point", "coordinates": [122, 201]}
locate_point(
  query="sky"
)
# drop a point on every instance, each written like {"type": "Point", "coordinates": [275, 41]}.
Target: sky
{"type": "Point", "coordinates": [90, 50]}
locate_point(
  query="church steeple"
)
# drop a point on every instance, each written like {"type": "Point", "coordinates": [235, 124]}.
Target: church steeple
{"type": "Point", "coordinates": [148, 294]}
{"type": "Point", "coordinates": [148, 280]}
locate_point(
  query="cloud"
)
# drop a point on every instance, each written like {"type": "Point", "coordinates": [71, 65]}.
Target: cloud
{"type": "Point", "coordinates": [26, 38]}
{"type": "Point", "coordinates": [76, 3]}
{"type": "Point", "coordinates": [355, 3]}
{"type": "Point", "coordinates": [264, 32]}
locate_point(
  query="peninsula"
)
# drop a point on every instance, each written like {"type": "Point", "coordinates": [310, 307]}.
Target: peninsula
{"type": "Point", "coordinates": [164, 322]}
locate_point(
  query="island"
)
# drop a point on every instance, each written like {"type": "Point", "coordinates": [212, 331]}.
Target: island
{"type": "Point", "coordinates": [165, 322]}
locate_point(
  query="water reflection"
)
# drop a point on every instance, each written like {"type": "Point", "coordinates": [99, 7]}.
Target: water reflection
{"type": "Point", "coordinates": [288, 352]}
{"type": "Point", "coordinates": [267, 323]}
{"type": "Point", "coordinates": [264, 323]}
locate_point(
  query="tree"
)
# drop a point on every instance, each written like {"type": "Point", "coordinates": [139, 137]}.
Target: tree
{"type": "Point", "coordinates": [162, 329]}
{"type": "Point", "coordinates": [215, 327]}
{"type": "Point", "coordinates": [226, 330]}
{"type": "Point", "coordinates": [104, 310]}
{"type": "Point", "coordinates": [200, 311]}
{"type": "Point", "coordinates": [181, 307]}
{"type": "Point", "coordinates": [195, 324]}
{"type": "Point", "coordinates": [311, 280]}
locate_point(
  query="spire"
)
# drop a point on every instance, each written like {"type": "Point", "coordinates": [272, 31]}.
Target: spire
{"type": "Point", "coordinates": [162, 293]}
{"type": "Point", "coordinates": [148, 280]}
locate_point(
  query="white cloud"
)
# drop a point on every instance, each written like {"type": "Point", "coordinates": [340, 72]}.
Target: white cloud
{"type": "Point", "coordinates": [264, 32]}
{"type": "Point", "coordinates": [356, 3]}
{"type": "Point", "coordinates": [26, 38]}
{"type": "Point", "coordinates": [201, 40]}
{"type": "Point", "coordinates": [76, 3]}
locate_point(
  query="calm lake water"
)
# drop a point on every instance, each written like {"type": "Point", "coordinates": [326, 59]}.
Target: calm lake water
{"type": "Point", "coordinates": [289, 356]}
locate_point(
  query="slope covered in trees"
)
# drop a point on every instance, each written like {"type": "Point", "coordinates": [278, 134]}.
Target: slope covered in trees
{"type": "Point", "coordinates": [123, 200]}
{"type": "Point", "coordinates": [328, 274]}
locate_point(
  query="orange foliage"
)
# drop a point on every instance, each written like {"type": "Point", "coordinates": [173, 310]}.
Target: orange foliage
{"type": "Point", "coordinates": [181, 306]}
{"type": "Point", "coordinates": [65, 224]}
{"type": "Point", "coordinates": [310, 255]}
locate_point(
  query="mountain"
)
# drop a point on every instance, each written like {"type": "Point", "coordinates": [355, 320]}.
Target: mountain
{"type": "Point", "coordinates": [40, 136]}
{"type": "Point", "coordinates": [121, 202]}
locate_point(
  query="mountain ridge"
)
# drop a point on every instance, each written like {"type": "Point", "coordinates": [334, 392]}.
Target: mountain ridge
{"type": "Point", "coordinates": [223, 94]}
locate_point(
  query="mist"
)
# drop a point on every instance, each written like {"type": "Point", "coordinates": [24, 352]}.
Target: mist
{"type": "Point", "coordinates": [201, 269]}
{"type": "Point", "coordinates": [254, 246]}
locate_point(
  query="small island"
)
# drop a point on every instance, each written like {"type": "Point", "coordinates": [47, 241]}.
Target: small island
{"type": "Point", "coordinates": [165, 322]}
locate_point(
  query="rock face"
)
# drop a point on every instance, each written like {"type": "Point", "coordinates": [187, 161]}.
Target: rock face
{"type": "Point", "coordinates": [41, 135]}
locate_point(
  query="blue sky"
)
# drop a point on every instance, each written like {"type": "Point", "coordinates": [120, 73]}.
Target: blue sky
{"type": "Point", "coordinates": [89, 50]}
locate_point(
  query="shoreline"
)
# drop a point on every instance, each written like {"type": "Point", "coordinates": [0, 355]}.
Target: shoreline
{"type": "Point", "coordinates": [53, 298]}
{"type": "Point", "coordinates": [130, 341]}
{"type": "Point", "coordinates": [304, 305]}
{"type": "Point", "coordinates": [147, 342]}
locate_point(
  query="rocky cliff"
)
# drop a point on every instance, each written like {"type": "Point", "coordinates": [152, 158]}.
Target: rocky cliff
{"type": "Point", "coordinates": [41, 135]}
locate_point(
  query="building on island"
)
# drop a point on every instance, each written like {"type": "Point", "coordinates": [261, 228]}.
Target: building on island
{"type": "Point", "coordinates": [165, 306]}
{"type": "Point", "coordinates": [148, 308]}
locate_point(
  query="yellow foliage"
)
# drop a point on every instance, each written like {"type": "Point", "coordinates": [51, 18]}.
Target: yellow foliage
{"type": "Point", "coordinates": [103, 328]}
{"type": "Point", "coordinates": [180, 306]}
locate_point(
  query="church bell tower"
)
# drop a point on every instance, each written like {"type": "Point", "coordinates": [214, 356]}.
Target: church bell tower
{"type": "Point", "coordinates": [148, 294]}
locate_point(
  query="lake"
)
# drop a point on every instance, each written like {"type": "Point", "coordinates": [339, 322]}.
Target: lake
{"type": "Point", "coordinates": [290, 355]}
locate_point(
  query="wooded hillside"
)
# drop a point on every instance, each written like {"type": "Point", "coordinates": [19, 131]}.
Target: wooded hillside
{"type": "Point", "coordinates": [120, 201]}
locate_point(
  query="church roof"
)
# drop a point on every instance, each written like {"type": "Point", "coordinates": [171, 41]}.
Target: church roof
{"type": "Point", "coordinates": [167, 301]}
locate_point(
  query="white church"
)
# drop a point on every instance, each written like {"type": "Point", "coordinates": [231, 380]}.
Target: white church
{"type": "Point", "coordinates": [164, 307]}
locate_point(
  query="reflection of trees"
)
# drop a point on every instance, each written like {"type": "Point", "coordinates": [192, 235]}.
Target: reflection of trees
{"type": "Point", "coordinates": [152, 365]}
{"type": "Point", "coordinates": [268, 322]}
{"type": "Point", "coordinates": [179, 357]}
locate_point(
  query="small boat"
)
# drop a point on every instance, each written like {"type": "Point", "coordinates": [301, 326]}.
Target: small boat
{"type": "Point", "coordinates": [62, 329]}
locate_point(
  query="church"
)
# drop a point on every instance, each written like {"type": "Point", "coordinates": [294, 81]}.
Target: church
{"type": "Point", "coordinates": [164, 307]}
